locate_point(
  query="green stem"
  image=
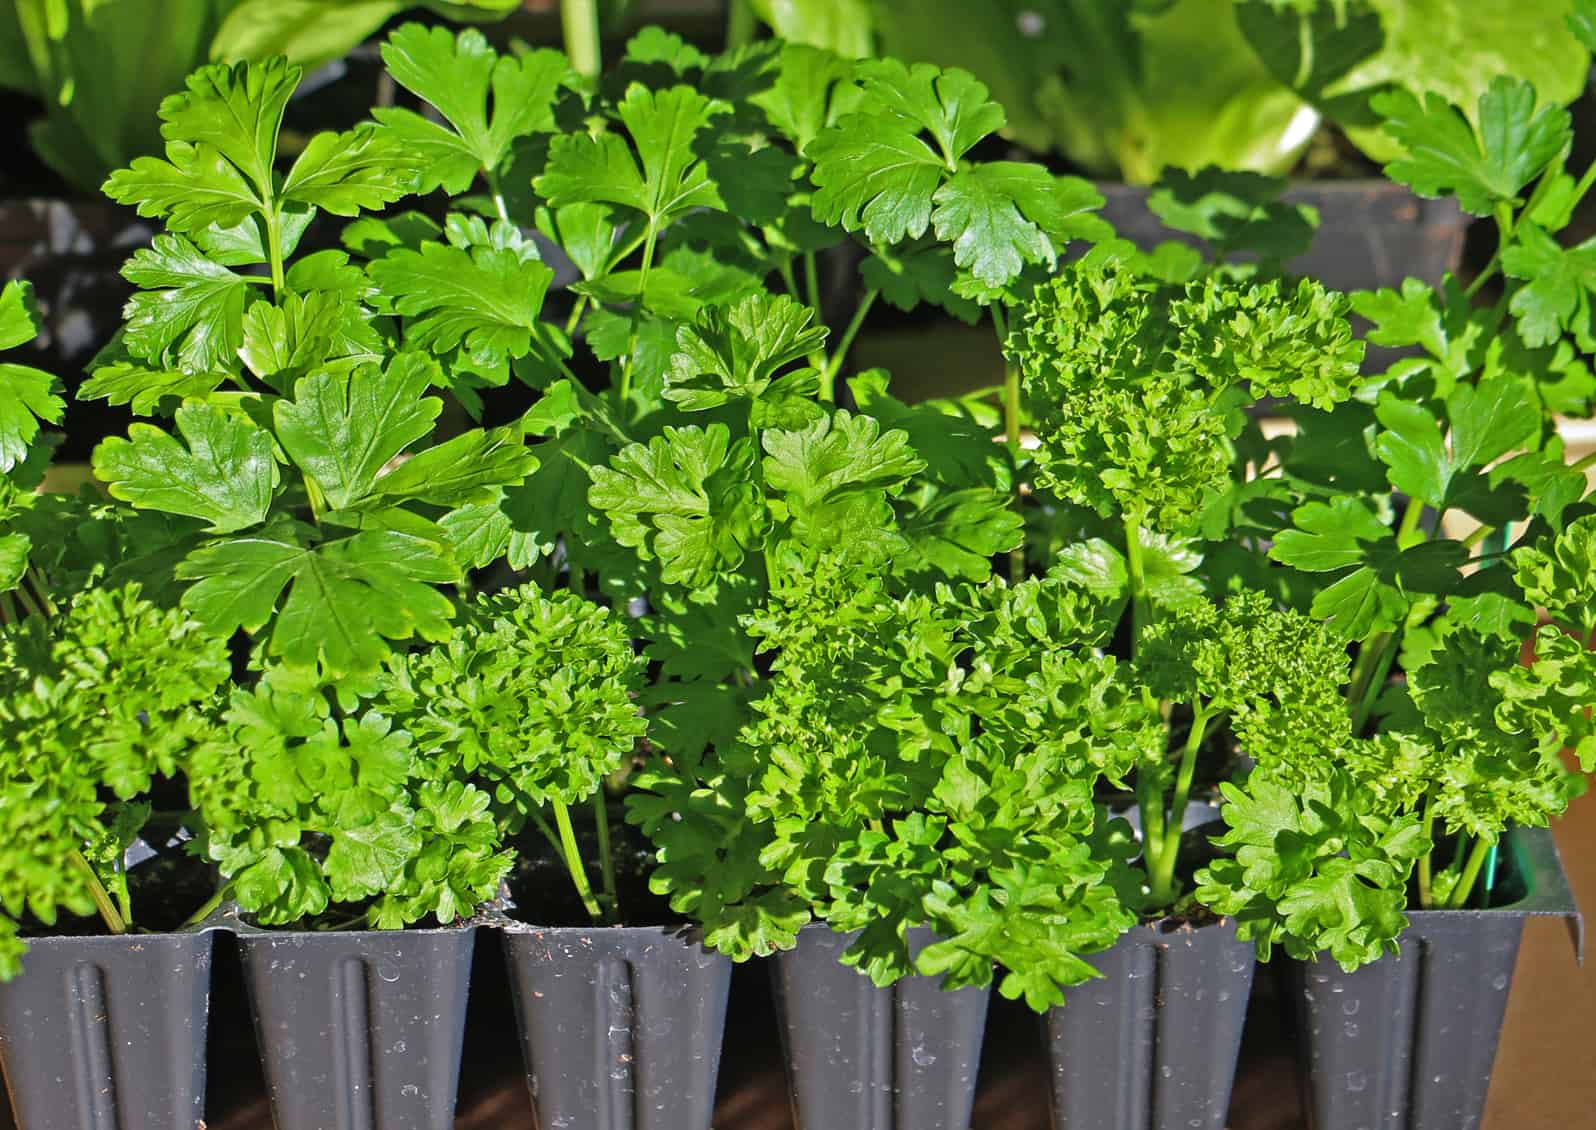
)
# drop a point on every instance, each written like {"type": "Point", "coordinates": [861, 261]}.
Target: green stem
{"type": "Point", "coordinates": [29, 605]}
{"type": "Point", "coordinates": [1424, 860]}
{"type": "Point", "coordinates": [209, 908]}
{"type": "Point", "coordinates": [8, 610]}
{"type": "Point", "coordinates": [573, 861]}
{"type": "Point", "coordinates": [576, 314]}
{"type": "Point", "coordinates": [790, 281]}
{"type": "Point", "coordinates": [1478, 536]}
{"type": "Point", "coordinates": [740, 26]}
{"type": "Point", "coordinates": [114, 922]}
{"type": "Point", "coordinates": [1376, 683]}
{"type": "Point", "coordinates": [41, 590]}
{"type": "Point", "coordinates": [1504, 235]}
{"type": "Point", "coordinates": [1471, 873]}
{"type": "Point", "coordinates": [124, 897]}
{"type": "Point", "coordinates": [601, 817]}
{"type": "Point", "coordinates": [274, 249]}
{"type": "Point", "coordinates": [828, 378]}
{"type": "Point", "coordinates": [1011, 433]}
{"type": "Point", "coordinates": [1584, 462]}
{"type": "Point", "coordinates": [1162, 887]}
{"type": "Point", "coordinates": [812, 282]}
{"type": "Point", "coordinates": [579, 21]}
{"type": "Point", "coordinates": [1150, 800]}
{"type": "Point", "coordinates": [1140, 614]}
{"type": "Point", "coordinates": [1369, 656]}
{"type": "Point", "coordinates": [1411, 518]}
{"type": "Point", "coordinates": [548, 832]}
{"type": "Point", "coordinates": [498, 195]}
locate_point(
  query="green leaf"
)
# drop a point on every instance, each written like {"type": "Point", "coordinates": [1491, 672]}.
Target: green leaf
{"type": "Point", "coordinates": [1414, 448]}
{"type": "Point", "coordinates": [366, 858]}
{"type": "Point", "coordinates": [741, 348]}
{"type": "Point", "coordinates": [221, 143]}
{"type": "Point", "coordinates": [874, 173]}
{"type": "Point", "coordinates": [345, 598]}
{"type": "Point", "coordinates": [343, 429]}
{"type": "Point", "coordinates": [189, 314]}
{"type": "Point", "coordinates": [836, 455]}
{"type": "Point", "coordinates": [222, 471]}
{"type": "Point", "coordinates": [1001, 215]}
{"type": "Point", "coordinates": [487, 299]}
{"type": "Point", "coordinates": [1445, 155]}
{"type": "Point", "coordinates": [685, 498]}
{"type": "Point", "coordinates": [813, 88]}
{"type": "Point", "coordinates": [283, 341]}
{"type": "Point", "coordinates": [459, 74]}
{"type": "Point", "coordinates": [1558, 284]}
{"type": "Point", "coordinates": [470, 468]}
{"type": "Point", "coordinates": [143, 389]}
{"type": "Point", "coordinates": [347, 173]}
{"type": "Point", "coordinates": [659, 175]}
{"type": "Point", "coordinates": [27, 395]}
{"type": "Point", "coordinates": [1234, 211]}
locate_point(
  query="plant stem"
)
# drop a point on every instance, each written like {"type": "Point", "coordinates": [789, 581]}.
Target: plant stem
{"type": "Point", "coordinates": [1411, 517]}
{"type": "Point", "coordinates": [1376, 683]}
{"type": "Point", "coordinates": [498, 195]}
{"type": "Point", "coordinates": [209, 908]}
{"type": "Point", "coordinates": [1584, 462]}
{"type": "Point", "coordinates": [812, 282]}
{"type": "Point", "coordinates": [601, 817]}
{"type": "Point", "coordinates": [1162, 886]}
{"type": "Point", "coordinates": [29, 605]}
{"type": "Point", "coordinates": [1478, 536]}
{"type": "Point", "coordinates": [114, 922]}
{"type": "Point", "coordinates": [1150, 800]}
{"type": "Point", "coordinates": [1471, 873]}
{"type": "Point", "coordinates": [828, 377]}
{"type": "Point", "coordinates": [1138, 578]}
{"type": "Point", "coordinates": [41, 590]}
{"type": "Point", "coordinates": [740, 25]}
{"type": "Point", "coordinates": [1424, 860]}
{"type": "Point", "coordinates": [124, 897]}
{"type": "Point", "coordinates": [579, 21]}
{"type": "Point", "coordinates": [573, 861]}
{"type": "Point", "coordinates": [274, 249]}
{"type": "Point", "coordinates": [577, 309]}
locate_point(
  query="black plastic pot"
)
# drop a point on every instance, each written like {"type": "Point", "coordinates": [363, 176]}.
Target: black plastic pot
{"type": "Point", "coordinates": [1372, 233]}
{"type": "Point", "coordinates": [867, 1058]}
{"type": "Point", "coordinates": [361, 1029]}
{"type": "Point", "coordinates": [1152, 1045]}
{"type": "Point", "coordinates": [1408, 1042]}
{"type": "Point", "coordinates": [108, 1032]}
{"type": "Point", "coordinates": [621, 1027]}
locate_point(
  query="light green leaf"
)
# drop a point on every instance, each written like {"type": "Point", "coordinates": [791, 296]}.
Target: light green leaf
{"type": "Point", "coordinates": [347, 173]}
{"type": "Point", "coordinates": [343, 429]}
{"type": "Point", "coordinates": [1514, 144]}
{"type": "Point", "coordinates": [470, 468]}
{"type": "Point", "coordinates": [189, 314]}
{"type": "Point", "coordinates": [458, 74]}
{"type": "Point", "coordinates": [346, 597]}
{"type": "Point", "coordinates": [660, 174]}
{"type": "Point", "coordinates": [221, 472]}
{"type": "Point", "coordinates": [487, 299]}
